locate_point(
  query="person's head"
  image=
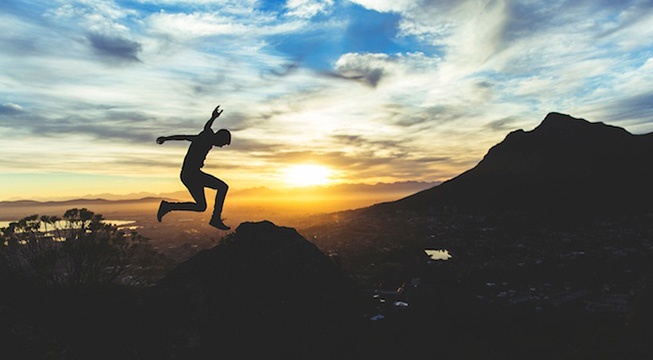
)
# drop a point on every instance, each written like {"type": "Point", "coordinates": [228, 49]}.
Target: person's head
{"type": "Point", "coordinates": [222, 137]}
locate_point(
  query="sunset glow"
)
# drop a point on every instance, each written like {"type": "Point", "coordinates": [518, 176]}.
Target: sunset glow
{"type": "Point", "coordinates": [382, 91]}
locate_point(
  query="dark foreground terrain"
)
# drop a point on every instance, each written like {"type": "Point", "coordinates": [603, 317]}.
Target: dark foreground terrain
{"type": "Point", "coordinates": [265, 291]}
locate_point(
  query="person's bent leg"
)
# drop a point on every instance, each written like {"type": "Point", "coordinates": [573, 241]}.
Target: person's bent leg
{"type": "Point", "coordinates": [220, 196]}
{"type": "Point", "coordinates": [164, 208]}
{"type": "Point", "coordinates": [195, 187]}
{"type": "Point", "coordinates": [221, 187]}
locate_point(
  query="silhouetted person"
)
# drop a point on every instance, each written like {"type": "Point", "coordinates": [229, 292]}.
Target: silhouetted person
{"type": "Point", "coordinates": [194, 178]}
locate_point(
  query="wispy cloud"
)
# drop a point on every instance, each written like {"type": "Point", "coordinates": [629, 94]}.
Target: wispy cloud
{"type": "Point", "coordinates": [10, 109]}
{"type": "Point", "coordinates": [379, 90]}
{"type": "Point", "coordinates": [115, 47]}
{"type": "Point", "coordinates": [308, 8]}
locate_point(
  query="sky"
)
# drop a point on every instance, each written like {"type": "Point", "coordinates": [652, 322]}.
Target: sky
{"type": "Point", "coordinates": [367, 90]}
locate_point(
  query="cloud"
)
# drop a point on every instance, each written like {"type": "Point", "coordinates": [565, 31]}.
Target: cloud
{"type": "Point", "coordinates": [97, 16]}
{"type": "Point", "coordinates": [386, 6]}
{"type": "Point", "coordinates": [634, 110]}
{"type": "Point", "coordinates": [10, 109]}
{"type": "Point", "coordinates": [367, 67]}
{"type": "Point", "coordinates": [308, 8]}
{"type": "Point", "coordinates": [362, 142]}
{"type": "Point", "coordinates": [373, 68]}
{"type": "Point", "coordinates": [634, 107]}
{"type": "Point", "coordinates": [503, 124]}
{"type": "Point", "coordinates": [194, 25]}
{"type": "Point", "coordinates": [284, 70]}
{"type": "Point", "coordinates": [118, 127]}
{"type": "Point", "coordinates": [375, 165]}
{"type": "Point", "coordinates": [247, 24]}
{"type": "Point", "coordinates": [225, 3]}
{"type": "Point", "coordinates": [380, 90]}
{"type": "Point", "coordinates": [115, 47]}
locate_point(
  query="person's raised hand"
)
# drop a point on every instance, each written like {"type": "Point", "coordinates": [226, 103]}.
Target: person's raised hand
{"type": "Point", "coordinates": [217, 112]}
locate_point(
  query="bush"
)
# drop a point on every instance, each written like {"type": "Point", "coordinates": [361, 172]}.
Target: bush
{"type": "Point", "coordinates": [76, 250]}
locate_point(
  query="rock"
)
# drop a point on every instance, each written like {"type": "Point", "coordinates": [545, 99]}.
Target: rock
{"type": "Point", "coordinates": [263, 285]}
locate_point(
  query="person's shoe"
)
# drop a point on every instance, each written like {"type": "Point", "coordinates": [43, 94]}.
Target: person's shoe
{"type": "Point", "coordinates": [164, 208]}
{"type": "Point", "coordinates": [217, 223]}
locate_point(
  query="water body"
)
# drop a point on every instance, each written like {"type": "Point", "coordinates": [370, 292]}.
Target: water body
{"type": "Point", "coordinates": [438, 254]}
{"type": "Point", "coordinates": [122, 224]}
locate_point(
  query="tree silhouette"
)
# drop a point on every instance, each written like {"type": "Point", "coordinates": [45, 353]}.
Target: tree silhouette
{"type": "Point", "coordinates": [76, 250]}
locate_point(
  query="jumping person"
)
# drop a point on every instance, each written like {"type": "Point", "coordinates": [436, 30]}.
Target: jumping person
{"type": "Point", "coordinates": [194, 178]}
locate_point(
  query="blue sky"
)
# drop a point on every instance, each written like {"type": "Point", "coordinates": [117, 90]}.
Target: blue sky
{"type": "Point", "coordinates": [375, 90]}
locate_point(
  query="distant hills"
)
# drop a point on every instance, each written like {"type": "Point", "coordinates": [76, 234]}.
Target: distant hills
{"type": "Point", "coordinates": [563, 165]}
{"type": "Point", "coordinates": [345, 190]}
{"type": "Point", "coordinates": [78, 201]}
{"type": "Point", "coordinates": [291, 201]}
{"type": "Point", "coordinates": [14, 210]}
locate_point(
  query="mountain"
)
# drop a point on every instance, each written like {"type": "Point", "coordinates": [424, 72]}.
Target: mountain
{"type": "Point", "coordinates": [82, 201]}
{"type": "Point", "coordinates": [266, 202]}
{"type": "Point", "coordinates": [263, 290]}
{"type": "Point", "coordinates": [345, 189]}
{"type": "Point", "coordinates": [564, 165]}
{"type": "Point", "coordinates": [14, 210]}
{"type": "Point", "coordinates": [378, 190]}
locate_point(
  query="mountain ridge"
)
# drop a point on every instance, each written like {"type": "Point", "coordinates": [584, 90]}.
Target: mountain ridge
{"type": "Point", "coordinates": [78, 200]}
{"type": "Point", "coordinates": [564, 164]}
{"type": "Point", "coordinates": [396, 187]}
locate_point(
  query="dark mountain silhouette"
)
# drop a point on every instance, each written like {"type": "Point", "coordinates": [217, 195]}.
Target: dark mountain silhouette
{"type": "Point", "coordinates": [264, 290]}
{"type": "Point", "coordinates": [78, 201]}
{"type": "Point", "coordinates": [563, 165]}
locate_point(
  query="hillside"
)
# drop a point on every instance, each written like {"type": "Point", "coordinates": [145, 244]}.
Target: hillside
{"type": "Point", "coordinates": [264, 284]}
{"type": "Point", "coordinates": [564, 164]}
{"type": "Point", "coordinates": [264, 292]}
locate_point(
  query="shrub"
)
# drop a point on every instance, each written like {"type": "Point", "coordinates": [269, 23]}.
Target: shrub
{"type": "Point", "coordinates": [76, 250]}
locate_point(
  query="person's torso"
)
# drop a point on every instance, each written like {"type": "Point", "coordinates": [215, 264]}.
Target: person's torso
{"type": "Point", "coordinates": [198, 150]}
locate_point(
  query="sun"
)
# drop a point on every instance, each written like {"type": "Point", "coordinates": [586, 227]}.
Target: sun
{"type": "Point", "coordinates": [307, 175]}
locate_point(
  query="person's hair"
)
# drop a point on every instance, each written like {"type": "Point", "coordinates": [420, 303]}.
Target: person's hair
{"type": "Point", "coordinates": [224, 134]}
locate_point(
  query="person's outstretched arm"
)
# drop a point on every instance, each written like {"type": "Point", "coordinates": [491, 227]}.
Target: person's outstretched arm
{"type": "Point", "coordinates": [162, 139]}
{"type": "Point", "coordinates": [216, 113]}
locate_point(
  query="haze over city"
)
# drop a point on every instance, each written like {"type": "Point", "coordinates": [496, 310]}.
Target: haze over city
{"type": "Point", "coordinates": [314, 91]}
